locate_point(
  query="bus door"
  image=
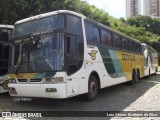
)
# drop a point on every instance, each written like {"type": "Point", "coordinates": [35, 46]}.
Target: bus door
{"type": "Point", "coordinates": [74, 60]}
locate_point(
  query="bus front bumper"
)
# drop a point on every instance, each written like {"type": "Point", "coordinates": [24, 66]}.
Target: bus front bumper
{"type": "Point", "coordinates": [38, 90]}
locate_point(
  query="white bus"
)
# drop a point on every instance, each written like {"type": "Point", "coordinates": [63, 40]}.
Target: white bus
{"type": "Point", "coordinates": [5, 34]}
{"type": "Point", "coordinates": [150, 60]}
{"type": "Point", "coordinates": [63, 54]}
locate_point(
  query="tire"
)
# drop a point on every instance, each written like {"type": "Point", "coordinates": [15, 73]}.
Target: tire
{"type": "Point", "coordinates": [134, 78]}
{"type": "Point", "coordinates": [137, 77]}
{"type": "Point", "coordinates": [92, 88]}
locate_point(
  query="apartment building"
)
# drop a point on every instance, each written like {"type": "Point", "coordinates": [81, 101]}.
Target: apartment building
{"type": "Point", "coordinates": [133, 8]}
{"type": "Point", "coordinates": [151, 8]}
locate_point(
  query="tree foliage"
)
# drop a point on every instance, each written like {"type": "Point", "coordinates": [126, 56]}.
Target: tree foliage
{"type": "Point", "coordinates": [139, 27]}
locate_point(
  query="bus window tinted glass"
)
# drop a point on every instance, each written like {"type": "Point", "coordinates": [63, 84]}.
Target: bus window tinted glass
{"type": "Point", "coordinates": [74, 24]}
{"type": "Point", "coordinates": [39, 25]}
{"type": "Point", "coordinates": [117, 41]}
{"type": "Point", "coordinates": [132, 46]}
{"type": "Point", "coordinates": [125, 44]}
{"type": "Point", "coordinates": [5, 35]}
{"type": "Point", "coordinates": [107, 38]}
{"type": "Point", "coordinates": [89, 32]}
{"type": "Point", "coordinates": [6, 52]}
{"type": "Point", "coordinates": [96, 35]}
{"type": "Point", "coordinates": [138, 48]}
{"type": "Point", "coordinates": [1, 51]}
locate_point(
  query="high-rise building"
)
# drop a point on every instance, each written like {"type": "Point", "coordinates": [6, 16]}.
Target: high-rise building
{"type": "Point", "coordinates": [152, 8]}
{"type": "Point", "coordinates": [133, 8]}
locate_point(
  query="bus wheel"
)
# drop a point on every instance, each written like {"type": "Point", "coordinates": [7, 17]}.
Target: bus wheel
{"type": "Point", "coordinates": [134, 78]}
{"type": "Point", "coordinates": [138, 77]}
{"type": "Point", "coordinates": [92, 88]}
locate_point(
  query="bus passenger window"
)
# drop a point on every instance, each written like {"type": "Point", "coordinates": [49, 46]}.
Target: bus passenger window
{"type": "Point", "coordinates": [132, 46]}
{"type": "Point", "coordinates": [96, 35]}
{"type": "Point", "coordinates": [125, 44]}
{"type": "Point", "coordinates": [117, 41]}
{"type": "Point", "coordinates": [89, 32]}
{"type": "Point", "coordinates": [107, 38]}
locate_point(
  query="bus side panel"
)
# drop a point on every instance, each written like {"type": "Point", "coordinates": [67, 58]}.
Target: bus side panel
{"type": "Point", "coordinates": [129, 62]}
{"type": "Point", "coordinates": [106, 63]}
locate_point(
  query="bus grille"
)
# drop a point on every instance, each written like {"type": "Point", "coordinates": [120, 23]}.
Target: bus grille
{"type": "Point", "coordinates": [30, 80]}
{"type": "Point", "coordinates": [36, 80]}
{"type": "Point", "coordinates": [22, 80]}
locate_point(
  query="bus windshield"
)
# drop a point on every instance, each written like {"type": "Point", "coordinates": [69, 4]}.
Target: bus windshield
{"type": "Point", "coordinates": [45, 54]}
{"type": "Point", "coordinates": [39, 25]}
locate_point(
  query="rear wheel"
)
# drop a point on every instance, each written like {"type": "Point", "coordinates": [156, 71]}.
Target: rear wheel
{"type": "Point", "coordinates": [134, 78]}
{"type": "Point", "coordinates": [138, 77]}
{"type": "Point", "coordinates": [92, 88]}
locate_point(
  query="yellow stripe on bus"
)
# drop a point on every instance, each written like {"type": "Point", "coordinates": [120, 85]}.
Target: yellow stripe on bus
{"type": "Point", "coordinates": [22, 75]}
{"type": "Point", "coordinates": [129, 62]}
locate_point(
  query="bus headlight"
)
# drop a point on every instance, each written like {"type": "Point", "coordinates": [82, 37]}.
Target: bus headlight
{"type": "Point", "coordinates": [55, 80]}
{"type": "Point", "coordinates": [12, 81]}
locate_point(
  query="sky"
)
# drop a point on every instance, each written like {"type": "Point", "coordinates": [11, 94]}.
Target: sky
{"type": "Point", "coordinates": [115, 8]}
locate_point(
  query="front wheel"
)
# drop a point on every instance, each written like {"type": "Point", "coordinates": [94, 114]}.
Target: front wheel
{"type": "Point", "coordinates": [92, 88]}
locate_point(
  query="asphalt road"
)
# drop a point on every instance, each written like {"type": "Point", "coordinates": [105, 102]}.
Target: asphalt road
{"type": "Point", "coordinates": [115, 98]}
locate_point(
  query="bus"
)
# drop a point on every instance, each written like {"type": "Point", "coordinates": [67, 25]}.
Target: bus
{"type": "Point", "coordinates": [5, 34]}
{"type": "Point", "coordinates": [150, 60]}
{"type": "Point", "coordinates": [62, 54]}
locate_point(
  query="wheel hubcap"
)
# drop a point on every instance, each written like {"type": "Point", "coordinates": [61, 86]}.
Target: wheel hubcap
{"type": "Point", "coordinates": [93, 88]}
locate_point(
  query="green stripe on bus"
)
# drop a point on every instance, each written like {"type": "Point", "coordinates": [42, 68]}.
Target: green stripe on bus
{"type": "Point", "coordinates": [111, 62]}
{"type": "Point", "coordinates": [108, 63]}
{"type": "Point", "coordinates": [116, 63]}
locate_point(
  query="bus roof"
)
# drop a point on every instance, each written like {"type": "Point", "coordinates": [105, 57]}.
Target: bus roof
{"type": "Point", "coordinates": [7, 26]}
{"type": "Point", "coordinates": [47, 15]}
